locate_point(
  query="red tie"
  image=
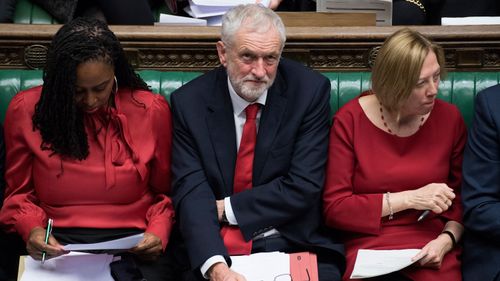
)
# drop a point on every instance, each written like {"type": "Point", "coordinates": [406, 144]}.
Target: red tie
{"type": "Point", "coordinates": [233, 238]}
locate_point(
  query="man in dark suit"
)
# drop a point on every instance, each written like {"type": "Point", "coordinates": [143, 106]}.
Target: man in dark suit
{"type": "Point", "coordinates": [481, 190]}
{"type": "Point", "coordinates": [281, 209]}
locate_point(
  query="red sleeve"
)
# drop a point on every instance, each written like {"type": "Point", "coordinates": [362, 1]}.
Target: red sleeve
{"type": "Point", "coordinates": [342, 207]}
{"type": "Point", "coordinates": [160, 215]}
{"type": "Point", "coordinates": [20, 212]}
{"type": "Point", "coordinates": [455, 177]}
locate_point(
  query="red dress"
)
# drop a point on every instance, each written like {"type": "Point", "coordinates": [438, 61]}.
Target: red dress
{"type": "Point", "coordinates": [365, 162]}
{"type": "Point", "coordinates": [123, 183]}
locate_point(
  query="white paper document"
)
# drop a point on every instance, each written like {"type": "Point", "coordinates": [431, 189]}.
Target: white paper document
{"type": "Point", "coordinates": [124, 243]}
{"type": "Point", "coordinates": [263, 266]}
{"type": "Point", "coordinates": [198, 11]}
{"type": "Point", "coordinates": [470, 21]}
{"type": "Point", "coordinates": [210, 8]}
{"type": "Point", "coordinates": [370, 263]}
{"type": "Point", "coordinates": [71, 267]}
{"type": "Point", "coordinates": [177, 20]}
{"type": "Point", "coordinates": [382, 8]}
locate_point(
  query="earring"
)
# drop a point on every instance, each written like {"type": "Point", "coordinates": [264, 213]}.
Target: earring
{"type": "Point", "coordinates": [115, 86]}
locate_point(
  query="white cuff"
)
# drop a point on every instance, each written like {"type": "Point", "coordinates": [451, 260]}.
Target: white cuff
{"type": "Point", "coordinates": [211, 261]}
{"type": "Point", "coordinates": [229, 211]}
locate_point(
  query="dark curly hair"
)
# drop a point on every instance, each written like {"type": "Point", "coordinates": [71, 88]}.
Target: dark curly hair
{"type": "Point", "coordinates": [57, 117]}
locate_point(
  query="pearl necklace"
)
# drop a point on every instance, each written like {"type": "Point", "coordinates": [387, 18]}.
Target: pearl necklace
{"type": "Point", "coordinates": [387, 126]}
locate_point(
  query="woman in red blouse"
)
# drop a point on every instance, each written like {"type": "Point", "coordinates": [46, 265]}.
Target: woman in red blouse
{"type": "Point", "coordinates": [395, 152]}
{"type": "Point", "coordinates": [89, 149]}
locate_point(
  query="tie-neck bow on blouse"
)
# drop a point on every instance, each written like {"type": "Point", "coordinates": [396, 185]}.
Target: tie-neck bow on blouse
{"type": "Point", "coordinates": [109, 127]}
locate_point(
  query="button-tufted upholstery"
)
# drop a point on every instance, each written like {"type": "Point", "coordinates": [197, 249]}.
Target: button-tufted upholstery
{"type": "Point", "coordinates": [458, 88]}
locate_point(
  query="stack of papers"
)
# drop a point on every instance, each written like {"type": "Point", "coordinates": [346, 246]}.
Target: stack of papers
{"type": "Point", "coordinates": [212, 10]}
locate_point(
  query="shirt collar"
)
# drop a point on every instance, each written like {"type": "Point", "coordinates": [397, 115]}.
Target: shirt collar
{"type": "Point", "coordinates": [239, 104]}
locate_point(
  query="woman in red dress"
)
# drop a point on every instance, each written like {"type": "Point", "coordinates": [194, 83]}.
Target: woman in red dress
{"type": "Point", "coordinates": [90, 149]}
{"type": "Point", "coordinates": [395, 152]}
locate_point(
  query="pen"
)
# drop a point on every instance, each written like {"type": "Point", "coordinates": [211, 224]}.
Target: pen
{"type": "Point", "coordinates": [47, 234]}
{"type": "Point", "coordinates": [423, 215]}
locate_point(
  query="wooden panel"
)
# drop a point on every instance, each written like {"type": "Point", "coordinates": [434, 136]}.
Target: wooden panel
{"type": "Point", "coordinates": [315, 19]}
{"type": "Point", "coordinates": [346, 48]}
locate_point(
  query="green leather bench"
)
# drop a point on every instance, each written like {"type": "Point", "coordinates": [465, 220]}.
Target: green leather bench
{"type": "Point", "coordinates": [29, 13]}
{"type": "Point", "coordinates": [458, 88]}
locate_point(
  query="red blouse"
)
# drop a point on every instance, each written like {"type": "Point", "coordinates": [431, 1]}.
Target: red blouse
{"type": "Point", "coordinates": [123, 183]}
{"type": "Point", "coordinates": [365, 162]}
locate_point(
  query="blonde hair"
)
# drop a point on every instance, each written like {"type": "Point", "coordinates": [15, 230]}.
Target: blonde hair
{"type": "Point", "coordinates": [398, 65]}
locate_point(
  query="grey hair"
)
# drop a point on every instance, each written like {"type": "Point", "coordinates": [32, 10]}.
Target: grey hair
{"type": "Point", "coordinates": [255, 17]}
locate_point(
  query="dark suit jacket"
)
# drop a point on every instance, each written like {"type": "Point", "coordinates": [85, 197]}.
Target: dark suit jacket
{"type": "Point", "coordinates": [481, 190]}
{"type": "Point", "coordinates": [289, 161]}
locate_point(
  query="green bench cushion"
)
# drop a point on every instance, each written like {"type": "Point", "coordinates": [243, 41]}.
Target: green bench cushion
{"type": "Point", "coordinates": [29, 13]}
{"type": "Point", "coordinates": [458, 88]}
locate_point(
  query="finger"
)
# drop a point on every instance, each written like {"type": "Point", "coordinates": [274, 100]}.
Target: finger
{"type": "Point", "coordinates": [440, 203]}
{"type": "Point", "coordinates": [142, 244]}
{"type": "Point", "coordinates": [443, 205]}
{"type": "Point", "coordinates": [449, 194]}
{"type": "Point", "coordinates": [155, 250]}
{"type": "Point", "coordinates": [424, 260]}
{"type": "Point", "coordinates": [36, 255]}
{"type": "Point", "coordinates": [52, 251]}
{"type": "Point", "coordinates": [444, 191]}
{"type": "Point", "coordinates": [419, 256]}
{"type": "Point", "coordinates": [147, 248]}
{"type": "Point", "coordinates": [53, 241]}
{"type": "Point", "coordinates": [143, 251]}
{"type": "Point", "coordinates": [138, 248]}
{"type": "Point", "coordinates": [437, 209]}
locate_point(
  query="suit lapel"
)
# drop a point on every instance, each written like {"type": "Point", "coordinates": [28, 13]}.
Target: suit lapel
{"type": "Point", "coordinates": [272, 116]}
{"type": "Point", "coordinates": [220, 122]}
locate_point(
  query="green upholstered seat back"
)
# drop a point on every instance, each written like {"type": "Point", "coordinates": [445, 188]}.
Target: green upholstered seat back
{"type": "Point", "coordinates": [30, 13]}
{"type": "Point", "coordinates": [458, 88]}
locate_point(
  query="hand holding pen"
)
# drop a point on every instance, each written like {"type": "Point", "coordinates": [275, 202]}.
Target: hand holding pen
{"type": "Point", "coordinates": [48, 232]}
{"type": "Point", "coordinates": [434, 197]}
{"type": "Point", "coordinates": [41, 245]}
